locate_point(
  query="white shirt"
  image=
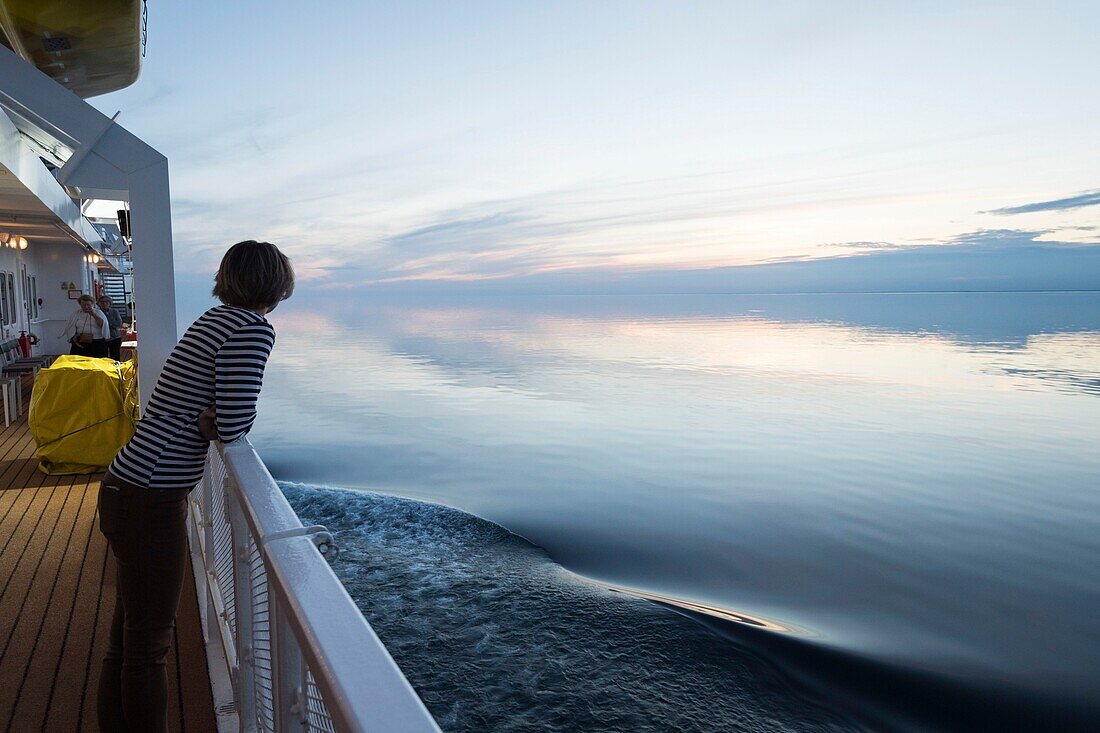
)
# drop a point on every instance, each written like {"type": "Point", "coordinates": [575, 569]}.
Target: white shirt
{"type": "Point", "coordinates": [81, 322]}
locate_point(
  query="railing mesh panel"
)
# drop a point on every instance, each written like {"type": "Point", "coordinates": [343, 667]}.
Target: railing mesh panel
{"type": "Point", "coordinates": [216, 512]}
{"type": "Point", "coordinates": [261, 641]}
{"type": "Point", "coordinates": [219, 561]}
{"type": "Point", "coordinates": [315, 707]}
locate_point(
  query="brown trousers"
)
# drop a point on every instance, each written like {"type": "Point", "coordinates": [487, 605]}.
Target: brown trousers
{"type": "Point", "coordinates": [147, 533]}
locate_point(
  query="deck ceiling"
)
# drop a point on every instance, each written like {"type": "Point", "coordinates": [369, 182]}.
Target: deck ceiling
{"type": "Point", "coordinates": [23, 213]}
{"type": "Point", "coordinates": [32, 203]}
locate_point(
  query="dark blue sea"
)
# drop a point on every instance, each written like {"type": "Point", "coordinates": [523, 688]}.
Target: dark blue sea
{"type": "Point", "coordinates": [710, 513]}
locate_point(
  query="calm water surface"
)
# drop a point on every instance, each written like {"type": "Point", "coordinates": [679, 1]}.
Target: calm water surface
{"type": "Point", "coordinates": [854, 511]}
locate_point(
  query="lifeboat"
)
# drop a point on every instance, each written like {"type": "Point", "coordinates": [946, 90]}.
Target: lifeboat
{"type": "Point", "coordinates": [90, 46]}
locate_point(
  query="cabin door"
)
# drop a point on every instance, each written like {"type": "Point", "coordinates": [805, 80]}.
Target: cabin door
{"type": "Point", "coordinates": [30, 296]}
{"type": "Point", "coordinates": [26, 297]}
{"type": "Point", "coordinates": [11, 314]}
{"type": "Point", "coordinates": [7, 316]}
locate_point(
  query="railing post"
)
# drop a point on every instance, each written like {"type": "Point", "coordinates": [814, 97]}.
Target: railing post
{"type": "Point", "coordinates": [213, 629]}
{"type": "Point", "coordinates": [288, 673]}
{"type": "Point", "coordinates": [244, 681]}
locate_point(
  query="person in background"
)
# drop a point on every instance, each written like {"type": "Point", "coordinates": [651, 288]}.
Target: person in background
{"type": "Point", "coordinates": [87, 329]}
{"type": "Point", "coordinates": [114, 321]}
{"type": "Point", "coordinates": [206, 391]}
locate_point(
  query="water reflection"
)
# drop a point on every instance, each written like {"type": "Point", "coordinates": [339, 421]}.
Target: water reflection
{"type": "Point", "coordinates": [725, 614]}
{"type": "Point", "coordinates": [911, 478]}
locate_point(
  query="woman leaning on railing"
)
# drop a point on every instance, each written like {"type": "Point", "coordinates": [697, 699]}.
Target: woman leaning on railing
{"type": "Point", "coordinates": [207, 391]}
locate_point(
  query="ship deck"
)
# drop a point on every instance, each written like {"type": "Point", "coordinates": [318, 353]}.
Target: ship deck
{"type": "Point", "coordinates": [57, 587]}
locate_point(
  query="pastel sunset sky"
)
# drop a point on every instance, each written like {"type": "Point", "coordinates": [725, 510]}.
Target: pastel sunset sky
{"type": "Point", "coordinates": [391, 142]}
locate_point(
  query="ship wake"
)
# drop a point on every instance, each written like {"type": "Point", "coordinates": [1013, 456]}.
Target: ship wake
{"type": "Point", "coordinates": [495, 636]}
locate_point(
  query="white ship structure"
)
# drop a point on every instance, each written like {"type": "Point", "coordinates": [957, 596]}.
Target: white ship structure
{"type": "Point", "coordinates": [267, 638]}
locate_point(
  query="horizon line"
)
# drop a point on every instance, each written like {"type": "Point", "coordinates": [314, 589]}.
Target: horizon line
{"type": "Point", "coordinates": [736, 292]}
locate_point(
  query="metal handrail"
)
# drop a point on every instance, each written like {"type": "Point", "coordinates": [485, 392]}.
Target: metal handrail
{"type": "Point", "coordinates": [298, 651]}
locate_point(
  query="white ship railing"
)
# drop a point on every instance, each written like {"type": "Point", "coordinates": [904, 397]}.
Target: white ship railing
{"type": "Point", "coordinates": [299, 654]}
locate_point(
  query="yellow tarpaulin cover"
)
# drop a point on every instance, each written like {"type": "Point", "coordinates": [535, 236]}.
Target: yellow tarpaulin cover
{"type": "Point", "coordinates": [82, 412]}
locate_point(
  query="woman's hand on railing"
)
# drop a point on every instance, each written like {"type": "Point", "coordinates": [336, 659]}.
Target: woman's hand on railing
{"type": "Point", "coordinates": [208, 428]}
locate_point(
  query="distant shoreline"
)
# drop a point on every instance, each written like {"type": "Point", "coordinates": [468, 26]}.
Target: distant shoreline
{"type": "Point", "coordinates": [367, 291]}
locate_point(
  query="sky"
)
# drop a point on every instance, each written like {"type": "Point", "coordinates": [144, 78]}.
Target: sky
{"type": "Point", "coordinates": [514, 144]}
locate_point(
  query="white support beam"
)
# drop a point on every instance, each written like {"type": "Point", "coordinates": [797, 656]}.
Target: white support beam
{"type": "Point", "coordinates": [109, 159]}
{"type": "Point", "coordinates": [154, 275]}
{"type": "Point", "coordinates": [81, 153]}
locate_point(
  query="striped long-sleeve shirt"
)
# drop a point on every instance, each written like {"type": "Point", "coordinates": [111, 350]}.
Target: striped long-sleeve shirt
{"type": "Point", "coordinates": [219, 361]}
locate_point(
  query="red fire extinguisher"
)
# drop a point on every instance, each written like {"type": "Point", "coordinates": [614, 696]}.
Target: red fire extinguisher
{"type": "Point", "coordinates": [24, 344]}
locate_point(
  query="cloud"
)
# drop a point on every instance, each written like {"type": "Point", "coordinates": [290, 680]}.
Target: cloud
{"type": "Point", "coordinates": [518, 237]}
{"type": "Point", "coordinates": [392, 230]}
{"type": "Point", "coordinates": [999, 238]}
{"type": "Point", "coordinates": [463, 233]}
{"type": "Point", "coordinates": [860, 245]}
{"type": "Point", "coordinates": [1088, 198]}
{"type": "Point", "coordinates": [982, 260]}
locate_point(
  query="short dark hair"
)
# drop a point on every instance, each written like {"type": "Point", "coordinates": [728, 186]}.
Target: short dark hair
{"type": "Point", "coordinates": [254, 275]}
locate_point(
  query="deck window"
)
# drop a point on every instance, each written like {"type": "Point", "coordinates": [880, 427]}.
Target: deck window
{"type": "Point", "coordinates": [5, 313]}
{"type": "Point", "coordinates": [11, 299]}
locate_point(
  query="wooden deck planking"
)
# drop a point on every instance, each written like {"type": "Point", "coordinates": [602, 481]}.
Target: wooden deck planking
{"type": "Point", "coordinates": [43, 633]}
{"type": "Point", "coordinates": [76, 668]}
{"type": "Point", "coordinates": [54, 631]}
{"type": "Point", "coordinates": [57, 586]}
